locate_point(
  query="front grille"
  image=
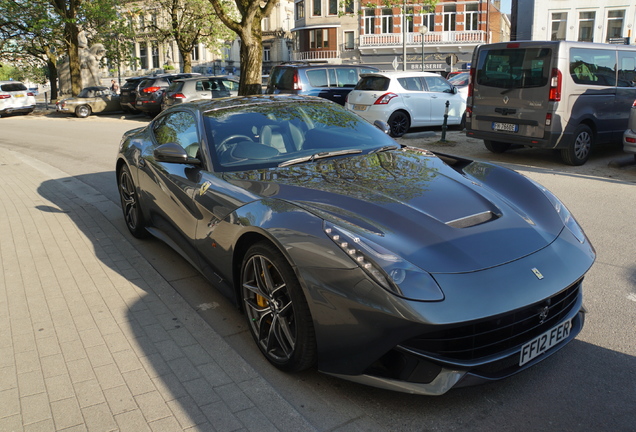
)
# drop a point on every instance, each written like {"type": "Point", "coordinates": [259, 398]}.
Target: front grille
{"type": "Point", "coordinates": [483, 338]}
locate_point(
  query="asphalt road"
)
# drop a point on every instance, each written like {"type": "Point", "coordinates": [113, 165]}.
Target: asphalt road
{"type": "Point", "coordinates": [590, 385]}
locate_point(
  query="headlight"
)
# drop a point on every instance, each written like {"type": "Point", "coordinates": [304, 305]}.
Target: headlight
{"type": "Point", "coordinates": [564, 214]}
{"type": "Point", "coordinates": [391, 272]}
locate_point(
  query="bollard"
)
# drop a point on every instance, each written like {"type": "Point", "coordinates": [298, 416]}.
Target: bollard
{"type": "Point", "coordinates": [444, 125]}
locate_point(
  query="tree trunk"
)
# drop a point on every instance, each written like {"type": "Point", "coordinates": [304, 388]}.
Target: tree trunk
{"type": "Point", "coordinates": [52, 65]}
{"type": "Point", "coordinates": [251, 65]}
{"type": "Point", "coordinates": [71, 35]}
{"type": "Point", "coordinates": [187, 61]}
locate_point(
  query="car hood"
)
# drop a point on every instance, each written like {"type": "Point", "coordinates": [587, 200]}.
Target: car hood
{"type": "Point", "coordinates": [412, 203]}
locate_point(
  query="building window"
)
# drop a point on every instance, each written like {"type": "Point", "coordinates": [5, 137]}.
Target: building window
{"type": "Point", "coordinates": [615, 24]}
{"type": "Point", "coordinates": [559, 25]}
{"type": "Point", "coordinates": [410, 13]}
{"type": "Point", "coordinates": [349, 40]}
{"type": "Point", "coordinates": [386, 20]}
{"type": "Point", "coordinates": [143, 55]}
{"type": "Point", "coordinates": [265, 24]}
{"type": "Point", "coordinates": [317, 8]}
{"type": "Point", "coordinates": [471, 17]}
{"type": "Point", "coordinates": [333, 7]}
{"type": "Point", "coordinates": [266, 54]}
{"type": "Point", "coordinates": [348, 7]}
{"type": "Point", "coordinates": [586, 26]}
{"type": "Point", "coordinates": [300, 10]}
{"type": "Point", "coordinates": [369, 21]}
{"type": "Point", "coordinates": [195, 52]}
{"type": "Point", "coordinates": [318, 39]}
{"type": "Point", "coordinates": [155, 55]}
{"type": "Point", "coordinates": [450, 16]}
{"type": "Point", "coordinates": [142, 22]}
{"type": "Point", "coordinates": [428, 18]}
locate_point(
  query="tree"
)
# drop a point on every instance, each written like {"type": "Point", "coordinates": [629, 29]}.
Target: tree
{"type": "Point", "coordinates": [248, 28]}
{"type": "Point", "coordinates": [188, 23]}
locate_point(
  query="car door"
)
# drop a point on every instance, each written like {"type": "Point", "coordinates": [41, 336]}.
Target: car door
{"type": "Point", "coordinates": [170, 187]}
{"type": "Point", "coordinates": [439, 91]}
{"type": "Point", "coordinates": [416, 100]}
{"type": "Point", "coordinates": [203, 89]}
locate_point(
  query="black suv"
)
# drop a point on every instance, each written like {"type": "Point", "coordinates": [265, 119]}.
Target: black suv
{"type": "Point", "coordinates": [128, 94]}
{"type": "Point", "coordinates": [329, 81]}
{"type": "Point", "coordinates": [151, 90]}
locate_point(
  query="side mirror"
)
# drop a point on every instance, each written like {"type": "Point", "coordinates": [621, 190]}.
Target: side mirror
{"type": "Point", "coordinates": [455, 90]}
{"type": "Point", "coordinates": [174, 153]}
{"type": "Point", "coordinates": [382, 125]}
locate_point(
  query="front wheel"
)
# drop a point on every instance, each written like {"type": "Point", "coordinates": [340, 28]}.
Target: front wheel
{"type": "Point", "coordinates": [578, 151]}
{"type": "Point", "coordinates": [130, 204]}
{"type": "Point", "coordinates": [496, 146]}
{"type": "Point", "coordinates": [277, 313]}
{"type": "Point", "coordinates": [399, 122]}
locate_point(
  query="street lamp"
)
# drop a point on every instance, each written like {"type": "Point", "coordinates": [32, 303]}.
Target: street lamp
{"type": "Point", "coordinates": [423, 31]}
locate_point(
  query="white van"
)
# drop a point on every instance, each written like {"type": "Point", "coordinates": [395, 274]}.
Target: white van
{"type": "Point", "coordinates": [562, 95]}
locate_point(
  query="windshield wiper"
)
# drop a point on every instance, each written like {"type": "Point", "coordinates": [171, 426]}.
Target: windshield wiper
{"type": "Point", "coordinates": [383, 149]}
{"type": "Point", "coordinates": [320, 155]}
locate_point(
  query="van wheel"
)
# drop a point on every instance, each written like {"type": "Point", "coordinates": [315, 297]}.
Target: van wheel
{"type": "Point", "coordinates": [578, 151]}
{"type": "Point", "coordinates": [399, 122]}
{"type": "Point", "coordinates": [496, 146]}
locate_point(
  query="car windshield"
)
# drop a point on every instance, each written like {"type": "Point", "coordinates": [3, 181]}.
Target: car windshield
{"type": "Point", "coordinates": [459, 79]}
{"type": "Point", "coordinates": [87, 93]}
{"type": "Point", "coordinates": [272, 134]}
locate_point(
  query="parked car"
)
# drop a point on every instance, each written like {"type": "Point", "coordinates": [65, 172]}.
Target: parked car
{"type": "Point", "coordinates": [128, 94]}
{"type": "Point", "coordinates": [379, 263]}
{"type": "Point", "coordinates": [151, 90]}
{"type": "Point", "coordinates": [629, 136]}
{"type": "Point", "coordinates": [15, 98]}
{"type": "Point", "coordinates": [94, 99]}
{"type": "Point", "coordinates": [202, 87]}
{"type": "Point", "coordinates": [406, 99]}
{"type": "Point", "coordinates": [461, 81]}
{"type": "Point", "coordinates": [329, 81]}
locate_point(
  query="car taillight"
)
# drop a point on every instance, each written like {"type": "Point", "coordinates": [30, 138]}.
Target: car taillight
{"type": "Point", "coordinates": [469, 112]}
{"type": "Point", "coordinates": [630, 139]}
{"type": "Point", "coordinates": [385, 99]}
{"type": "Point", "coordinates": [548, 119]}
{"type": "Point", "coordinates": [151, 89]}
{"type": "Point", "coordinates": [555, 85]}
{"type": "Point", "coordinates": [471, 80]}
{"type": "Point", "coordinates": [297, 84]}
{"type": "Point", "coordinates": [177, 96]}
{"type": "Point", "coordinates": [5, 96]}
{"type": "Point", "coordinates": [30, 94]}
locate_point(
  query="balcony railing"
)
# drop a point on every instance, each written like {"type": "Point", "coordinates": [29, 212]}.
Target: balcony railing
{"type": "Point", "coordinates": [316, 55]}
{"type": "Point", "coordinates": [415, 39]}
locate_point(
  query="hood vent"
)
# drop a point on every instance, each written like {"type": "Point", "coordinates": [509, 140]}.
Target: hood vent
{"type": "Point", "coordinates": [472, 220]}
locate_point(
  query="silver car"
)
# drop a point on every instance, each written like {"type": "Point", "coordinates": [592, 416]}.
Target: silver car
{"type": "Point", "coordinates": [201, 87]}
{"type": "Point", "coordinates": [629, 136]}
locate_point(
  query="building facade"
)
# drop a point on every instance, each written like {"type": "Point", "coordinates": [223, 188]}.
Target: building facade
{"type": "Point", "coordinates": [396, 37]}
{"type": "Point", "coordinates": [602, 21]}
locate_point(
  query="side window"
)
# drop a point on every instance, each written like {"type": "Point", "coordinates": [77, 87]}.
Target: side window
{"type": "Point", "coordinates": [626, 68]}
{"type": "Point", "coordinates": [180, 128]}
{"type": "Point", "coordinates": [593, 66]}
{"type": "Point", "coordinates": [437, 84]}
{"type": "Point", "coordinates": [347, 77]}
{"type": "Point", "coordinates": [317, 77]}
{"type": "Point", "coordinates": [411, 83]}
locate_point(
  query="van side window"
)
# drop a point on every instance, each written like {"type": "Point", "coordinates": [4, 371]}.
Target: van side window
{"type": "Point", "coordinates": [593, 67]}
{"type": "Point", "coordinates": [626, 69]}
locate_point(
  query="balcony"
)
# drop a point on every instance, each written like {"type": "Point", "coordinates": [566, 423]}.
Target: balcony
{"type": "Point", "coordinates": [387, 40]}
{"type": "Point", "coordinates": [316, 55]}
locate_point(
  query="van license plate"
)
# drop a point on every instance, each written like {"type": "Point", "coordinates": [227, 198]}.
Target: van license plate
{"type": "Point", "coordinates": [360, 107]}
{"type": "Point", "coordinates": [544, 342]}
{"type": "Point", "coordinates": [506, 127]}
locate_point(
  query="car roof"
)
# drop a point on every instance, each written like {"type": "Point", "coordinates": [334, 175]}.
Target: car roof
{"type": "Point", "coordinates": [204, 77]}
{"type": "Point", "coordinates": [399, 74]}
{"type": "Point", "coordinates": [312, 64]}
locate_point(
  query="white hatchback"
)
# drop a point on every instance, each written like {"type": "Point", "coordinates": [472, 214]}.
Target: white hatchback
{"type": "Point", "coordinates": [15, 98]}
{"type": "Point", "coordinates": [406, 99]}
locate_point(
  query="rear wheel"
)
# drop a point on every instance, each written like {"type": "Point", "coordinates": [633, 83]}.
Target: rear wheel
{"type": "Point", "coordinates": [578, 151]}
{"type": "Point", "coordinates": [399, 122]}
{"type": "Point", "coordinates": [130, 204]}
{"type": "Point", "coordinates": [277, 313]}
{"type": "Point", "coordinates": [83, 111]}
{"type": "Point", "coordinates": [496, 146]}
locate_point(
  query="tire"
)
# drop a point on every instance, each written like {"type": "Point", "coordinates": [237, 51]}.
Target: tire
{"type": "Point", "coordinates": [133, 215]}
{"type": "Point", "coordinates": [496, 146]}
{"type": "Point", "coordinates": [83, 111]}
{"type": "Point", "coordinates": [276, 310]}
{"type": "Point", "coordinates": [399, 122]}
{"type": "Point", "coordinates": [578, 151]}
